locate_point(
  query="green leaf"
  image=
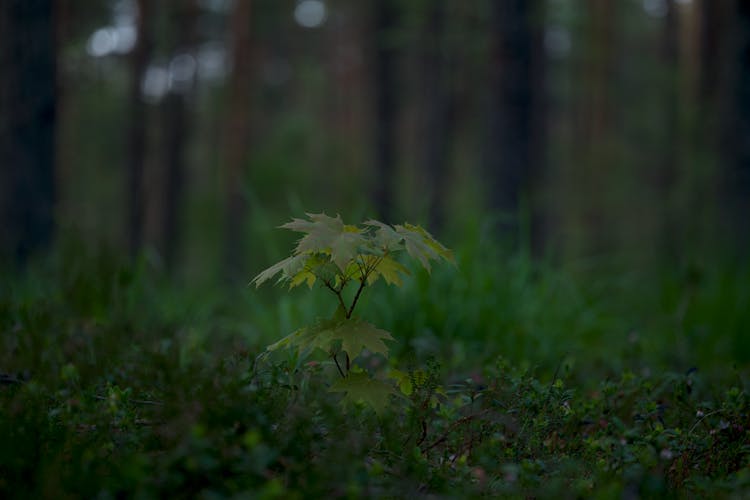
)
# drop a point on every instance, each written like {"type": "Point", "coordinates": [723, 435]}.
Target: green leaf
{"type": "Point", "coordinates": [326, 234]}
{"type": "Point", "coordinates": [383, 266]}
{"type": "Point", "coordinates": [389, 269]}
{"type": "Point", "coordinates": [317, 336]}
{"type": "Point", "coordinates": [301, 277]}
{"type": "Point", "coordinates": [287, 267]}
{"type": "Point", "coordinates": [356, 335]}
{"type": "Point", "coordinates": [422, 246]}
{"type": "Point", "coordinates": [385, 236]}
{"type": "Point", "coordinates": [359, 387]}
{"type": "Point", "coordinates": [403, 380]}
{"type": "Point", "coordinates": [313, 269]}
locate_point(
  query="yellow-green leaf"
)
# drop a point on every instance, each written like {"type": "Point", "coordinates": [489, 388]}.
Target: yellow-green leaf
{"type": "Point", "coordinates": [391, 270]}
{"type": "Point", "coordinates": [403, 380]}
{"type": "Point", "coordinates": [317, 336]}
{"type": "Point", "coordinates": [359, 387]}
{"type": "Point", "coordinates": [287, 267]}
{"type": "Point", "coordinates": [301, 277]}
{"type": "Point", "coordinates": [421, 245]}
{"type": "Point", "coordinates": [356, 335]}
{"type": "Point", "coordinates": [329, 235]}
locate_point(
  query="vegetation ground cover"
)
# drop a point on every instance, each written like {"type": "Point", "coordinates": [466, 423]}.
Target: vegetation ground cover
{"type": "Point", "coordinates": [524, 380]}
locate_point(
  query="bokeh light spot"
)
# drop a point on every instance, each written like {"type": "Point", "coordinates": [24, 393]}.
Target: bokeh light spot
{"type": "Point", "coordinates": [310, 13]}
{"type": "Point", "coordinates": [101, 42]}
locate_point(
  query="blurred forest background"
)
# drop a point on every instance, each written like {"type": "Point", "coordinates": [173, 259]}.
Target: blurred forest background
{"type": "Point", "coordinates": [192, 127]}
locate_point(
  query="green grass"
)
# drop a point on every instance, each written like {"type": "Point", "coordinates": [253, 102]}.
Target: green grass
{"type": "Point", "coordinates": [558, 381]}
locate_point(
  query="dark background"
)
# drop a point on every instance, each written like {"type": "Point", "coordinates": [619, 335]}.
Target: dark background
{"type": "Point", "coordinates": [610, 137]}
{"type": "Point", "coordinates": [190, 126]}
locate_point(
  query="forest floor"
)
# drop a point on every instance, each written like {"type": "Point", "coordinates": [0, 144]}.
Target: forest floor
{"type": "Point", "coordinates": [516, 381]}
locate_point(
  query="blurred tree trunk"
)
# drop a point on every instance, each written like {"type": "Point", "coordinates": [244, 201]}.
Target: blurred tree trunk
{"type": "Point", "coordinates": [667, 171]}
{"type": "Point", "coordinates": [177, 123]}
{"type": "Point", "coordinates": [63, 149]}
{"type": "Point", "coordinates": [28, 122]}
{"type": "Point", "coordinates": [439, 110]}
{"type": "Point", "coordinates": [594, 129]}
{"type": "Point", "coordinates": [597, 116]}
{"type": "Point", "coordinates": [713, 47]}
{"type": "Point", "coordinates": [516, 143]}
{"type": "Point", "coordinates": [736, 182]}
{"type": "Point", "coordinates": [386, 93]}
{"type": "Point", "coordinates": [136, 158]}
{"type": "Point", "coordinates": [724, 101]}
{"type": "Point", "coordinates": [236, 135]}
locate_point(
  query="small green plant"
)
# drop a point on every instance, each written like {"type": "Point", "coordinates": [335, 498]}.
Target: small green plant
{"type": "Point", "coordinates": [336, 255]}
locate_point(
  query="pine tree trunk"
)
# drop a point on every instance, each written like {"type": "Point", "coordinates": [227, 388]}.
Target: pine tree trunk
{"type": "Point", "coordinates": [737, 176]}
{"type": "Point", "coordinates": [515, 145]}
{"type": "Point", "coordinates": [28, 122]}
{"type": "Point", "coordinates": [439, 111]}
{"type": "Point", "coordinates": [667, 171]}
{"type": "Point", "coordinates": [176, 129]}
{"type": "Point", "coordinates": [237, 133]}
{"type": "Point", "coordinates": [386, 94]}
{"type": "Point", "coordinates": [139, 60]}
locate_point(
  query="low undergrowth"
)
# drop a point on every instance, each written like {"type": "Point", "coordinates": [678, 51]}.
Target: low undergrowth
{"type": "Point", "coordinates": [115, 385]}
{"type": "Point", "coordinates": [232, 428]}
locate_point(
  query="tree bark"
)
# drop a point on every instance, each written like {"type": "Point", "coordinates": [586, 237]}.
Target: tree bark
{"type": "Point", "coordinates": [136, 156]}
{"type": "Point", "coordinates": [28, 120]}
{"type": "Point", "coordinates": [236, 134]}
{"type": "Point", "coordinates": [736, 182]}
{"type": "Point", "coordinates": [667, 171]}
{"type": "Point", "coordinates": [595, 123]}
{"type": "Point", "coordinates": [713, 44]}
{"type": "Point", "coordinates": [176, 129]}
{"type": "Point", "coordinates": [515, 146]}
{"type": "Point", "coordinates": [439, 111]}
{"type": "Point", "coordinates": [386, 95]}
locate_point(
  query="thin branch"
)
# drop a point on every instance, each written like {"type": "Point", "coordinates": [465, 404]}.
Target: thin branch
{"type": "Point", "coordinates": [424, 433]}
{"type": "Point", "coordinates": [349, 275]}
{"type": "Point", "coordinates": [356, 298]}
{"type": "Point", "coordinates": [704, 417]}
{"type": "Point", "coordinates": [338, 366]}
{"type": "Point", "coordinates": [377, 262]}
{"type": "Point", "coordinates": [337, 293]}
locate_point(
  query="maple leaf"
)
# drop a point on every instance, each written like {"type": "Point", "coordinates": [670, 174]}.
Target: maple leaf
{"type": "Point", "coordinates": [304, 276]}
{"type": "Point", "coordinates": [287, 267]}
{"type": "Point", "coordinates": [387, 268]}
{"type": "Point", "coordinates": [326, 234]}
{"type": "Point", "coordinates": [313, 269]}
{"type": "Point", "coordinates": [358, 386]}
{"type": "Point", "coordinates": [385, 236]}
{"type": "Point", "coordinates": [356, 335]}
{"type": "Point", "coordinates": [316, 336]}
{"type": "Point", "coordinates": [421, 245]}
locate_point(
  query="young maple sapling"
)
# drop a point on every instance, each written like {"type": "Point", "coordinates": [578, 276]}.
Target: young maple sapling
{"type": "Point", "coordinates": [335, 254]}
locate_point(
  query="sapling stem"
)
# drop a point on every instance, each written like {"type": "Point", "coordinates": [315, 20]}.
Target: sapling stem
{"type": "Point", "coordinates": [338, 294]}
{"type": "Point", "coordinates": [339, 366]}
{"type": "Point", "coordinates": [356, 298]}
